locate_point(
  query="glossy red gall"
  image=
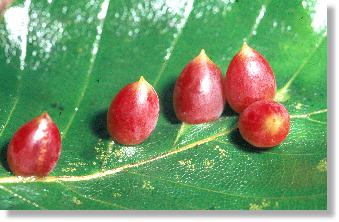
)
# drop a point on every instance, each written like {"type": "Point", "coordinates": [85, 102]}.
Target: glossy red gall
{"type": "Point", "coordinates": [35, 148]}
{"type": "Point", "coordinates": [249, 78]}
{"type": "Point", "coordinates": [264, 124]}
{"type": "Point", "coordinates": [198, 93]}
{"type": "Point", "coordinates": [133, 113]}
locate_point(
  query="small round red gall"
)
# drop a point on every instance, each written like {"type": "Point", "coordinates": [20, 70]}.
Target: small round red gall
{"type": "Point", "coordinates": [133, 113]}
{"type": "Point", "coordinates": [198, 93]}
{"type": "Point", "coordinates": [249, 78]}
{"type": "Point", "coordinates": [264, 124]}
{"type": "Point", "coordinates": [35, 148]}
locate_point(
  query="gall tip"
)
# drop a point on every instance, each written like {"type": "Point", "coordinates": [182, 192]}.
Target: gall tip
{"type": "Point", "coordinates": [245, 50]}
{"type": "Point", "coordinates": [245, 45]}
{"type": "Point", "coordinates": [45, 115]}
{"type": "Point", "coordinates": [202, 53]}
{"type": "Point", "coordinates": [202, 57]}
{"type": "Point", "coordinates": [142, 83]}
{"type": "Point", "coordinates": [44, 118]}
{"type": "Point", "coordinates": [142, 79]}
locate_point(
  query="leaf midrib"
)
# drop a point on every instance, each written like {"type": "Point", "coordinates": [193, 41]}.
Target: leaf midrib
{"type": "Point", "coordinates": [49, 179]}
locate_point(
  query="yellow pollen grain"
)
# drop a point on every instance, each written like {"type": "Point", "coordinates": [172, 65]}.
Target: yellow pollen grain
{"type": "Point", "coordinates": [76, 201]}
{"type": "Point", "coordinates": [147, 185]}
{"type": "Point", "coordinates": [115, 194]}
{"type": "Point", "coordinates": [208, 164]}
{"type": "Point", "coordinates": [187, 163]}
{"type": "Point", "coordinates": [261, 206]}
{"type": "Point", "coordinates": [322, 165]}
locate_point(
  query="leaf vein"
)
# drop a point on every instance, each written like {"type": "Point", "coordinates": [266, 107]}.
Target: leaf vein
{"type": "Point", "coordinates": [228, 193]}
{"type": "Point", "coordinates": [97, 175]}
{"type": "Point", "coordinates": [172, 47]}
{"type": "Point", "coordinates": [24, 34]}
{"type": "Point", "coordinates": [91, 198]}
{"type": "Point", "coordinates": [282, 93]}
{"type": "Point", "coordinates": [21, 197]}
{"type": "Point", "coordinates": [307, 115]}
{"type": "Point", "coordinates": [258, 19]}
{"type": "Point", "coordinates": [95, 48]}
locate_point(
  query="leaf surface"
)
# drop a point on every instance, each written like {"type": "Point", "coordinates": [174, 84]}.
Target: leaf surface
{"type": "Point", "coordinates": [71, 57]}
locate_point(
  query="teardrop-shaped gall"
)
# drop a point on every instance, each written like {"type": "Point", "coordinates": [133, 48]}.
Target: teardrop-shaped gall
{"type": "Point", "coordinates": [198, 93]}
{"type": "Point", "coordinates": [133, 113]}
{"type": "Point", "coordinates": [35, 148]}
{"type": "Point", "coordinates": [249, 78]}
{"type": "Point", "coordinates": [264, 123]}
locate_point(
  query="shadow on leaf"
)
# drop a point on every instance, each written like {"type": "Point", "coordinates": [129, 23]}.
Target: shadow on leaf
{"type": "Point", "coordinates": [3, 157]}
{"type": "Point", "coordinates": [241, 144]}
{"type": "Point", "coordinates": [166, 101]}
{"type": "Point", "coordinates": [228, 111]}
{"type": "Point", "coordinates": [99, 125]}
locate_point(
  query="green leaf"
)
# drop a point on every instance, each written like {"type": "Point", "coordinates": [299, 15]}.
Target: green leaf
{"type": "Point", "coordinates": [71, 57]}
